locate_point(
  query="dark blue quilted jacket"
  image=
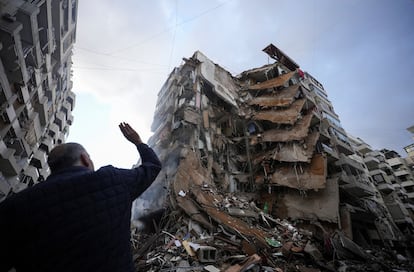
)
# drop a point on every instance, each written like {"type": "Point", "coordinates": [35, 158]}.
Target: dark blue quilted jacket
{"type": "Point", "coordinates": [76, 220]}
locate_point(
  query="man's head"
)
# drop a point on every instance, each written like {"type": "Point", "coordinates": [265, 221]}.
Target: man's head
{"type": "Point", "coordinates": [67, 155]}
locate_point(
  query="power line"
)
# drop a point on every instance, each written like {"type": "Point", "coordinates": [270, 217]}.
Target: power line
{"type": "Point", "coordinates": [169, 28]}
{"type": "Point", "coordinates": [117, 57]}
{"type": "Point", "coordinates": [175, 31]}
{"type": "Point", "coordinates": [114, 69]}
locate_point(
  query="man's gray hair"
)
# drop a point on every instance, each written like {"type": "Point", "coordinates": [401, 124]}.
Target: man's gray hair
{"type": "Point", "coordinates": [65, 155]}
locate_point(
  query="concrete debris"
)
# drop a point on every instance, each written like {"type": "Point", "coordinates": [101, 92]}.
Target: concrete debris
{"type": "Point", "coordinates": [255, 178]}
{"type": "Point", "coordinates": [289, 247]}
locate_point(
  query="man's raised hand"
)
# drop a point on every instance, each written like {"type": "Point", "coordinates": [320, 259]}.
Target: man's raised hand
{"type": "Point", "coordinates": [129, 133]}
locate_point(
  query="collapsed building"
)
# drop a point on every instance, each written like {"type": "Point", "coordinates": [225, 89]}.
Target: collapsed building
{"type": "Point", "coordinates": [240, 151]}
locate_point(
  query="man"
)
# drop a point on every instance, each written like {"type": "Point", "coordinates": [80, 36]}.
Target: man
{"type": "Point", "coordinates": [78, 219]}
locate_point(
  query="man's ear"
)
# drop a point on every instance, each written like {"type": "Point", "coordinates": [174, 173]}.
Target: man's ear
{"type": "Point", "coordinates": [85, 161]}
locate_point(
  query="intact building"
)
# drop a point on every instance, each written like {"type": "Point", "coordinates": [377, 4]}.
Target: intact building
{"type": "Point", "coordinates": [36, 101]}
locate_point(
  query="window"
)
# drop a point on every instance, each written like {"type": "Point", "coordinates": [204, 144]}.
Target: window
{"type": "Point", "coordinates": [378, 178]}
{"type": "Point", "coordinates": [332, 119]}
{"type": "Point", "coordinates": [340, 135]}
{"type": "Point", "coordinates": [318, 91]}
{"type": "Point", "coordinates": [409, 148]}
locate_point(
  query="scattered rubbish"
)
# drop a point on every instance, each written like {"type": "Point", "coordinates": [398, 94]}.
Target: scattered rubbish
{"type": "Point", "coordinates": [273, 242]}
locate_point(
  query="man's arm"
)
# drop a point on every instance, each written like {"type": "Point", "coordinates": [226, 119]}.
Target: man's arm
{"type": "Point", "coordinates": [147, 172]}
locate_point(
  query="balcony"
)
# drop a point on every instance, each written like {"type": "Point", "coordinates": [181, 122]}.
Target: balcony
{"type": "Point", "coordinates": [22, 93]}
{"type": "Point", "coordinates": [32, 172]}
{"type": "Point", "coordinates": [363, 148]}
{"type": "Point", "coordinates": [71, 98]}
{"type": "Point", "coordinates": [42, 108]}
{"type": "Point", "coordinates": [395, 162]}
{"type": "Point", "coordinates": [385, 188]}
{"type": "Point", "coordinates": [70, 119]}
{"type": "Point", "coordinates": [332, 155]}
{"type": "Point", "coordinates": [51, 91]}
{"type": "Point", "coordinates": [409, 148]}
{"type": "Point", "coordinates": [409, 206]}
{"type": "Point", "coordinates": [342, 146]}
{"type": "Point", "coordinates": [357, 158]}
{"type": "Point", "coordinates": [346, 161]}
{"type": "Point", "coordinates": [398, 212]}
{"type": "Point", "coordinates": [377, 154]}
{"type": "Point", "coordinates": [359, 189]}
{"type": "Point", "coordinates": [60, 120]}
{"type": "Point", "coordinates": [53, 130]}
{"type": "Point", "coordinates": [402, 195]}
{"type": "Point", "coordinates": [5, 187]}
{"type": "Point", "coordinates": [354, 186]}
{"type": "Point", "coordinates": [379, 176]}
{"type": "Point", "coordinates": [25, 14]}
{"type": "Point", "coordinates": [7, 113]}
{"type": "Point", "coordinates": [371, 162]}
{"type": "Point", "coordinates": [408, 183]}
{"type": "Point", "coordinates": [397, 186]}
{"type": "Point", "coordinates": [61, 137]}
{"type": "Point", "coordinates": [66, 107]}
{"type": "Point", "coordinates": [46, 145]}
{"type": "Point", "coordinates": [401, 172]}
{"type": "Point", "coordinates": [44, 173]}
{"type": "Point", "coordinates": [8, 163]}
{"type": "Point", "coordinates": [410, 195]}
{"type": "Point", "coordinates": [33, 129]}
{"type": "Point", "coordinates": [384, 166]}
{"type": "Point", "coordinates": [324, 135]}
{"type": "Point", "coordinates": [39, 159]}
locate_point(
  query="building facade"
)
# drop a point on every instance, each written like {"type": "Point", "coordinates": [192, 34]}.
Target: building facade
{"type": "Point", "coordinates": [391, 193]}
{"type": "Point", "coordinates": [36, 40]}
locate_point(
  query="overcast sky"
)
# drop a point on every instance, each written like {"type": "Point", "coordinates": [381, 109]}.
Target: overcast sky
{"type": "Point", "coordinates": [362, 51]}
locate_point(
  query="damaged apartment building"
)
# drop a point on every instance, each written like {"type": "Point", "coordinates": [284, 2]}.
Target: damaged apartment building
{"type": "Point", "coordinates": [270, 136]}
{"type": "Point", "coordinates": [36, 101]}
{"type": "Point", "coordinates": [391, 196]}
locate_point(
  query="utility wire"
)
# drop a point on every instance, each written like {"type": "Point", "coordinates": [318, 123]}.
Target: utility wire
{"type": "Point", "coordinates": [111, 54]}
{"type": "Point", "coordinates": [174, 33]}
{"type": "Point", "coordinates": [98, 66]}
{"type": "Point", "coordinates": [115, 69]}
{"type": "Point", "coordinates": [117, 57]}
{"type": "Point", "coordinates": [169, 28]}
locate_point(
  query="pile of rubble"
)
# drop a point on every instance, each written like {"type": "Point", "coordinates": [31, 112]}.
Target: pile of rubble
{"type": "Point", "coordinates": [243, 237]}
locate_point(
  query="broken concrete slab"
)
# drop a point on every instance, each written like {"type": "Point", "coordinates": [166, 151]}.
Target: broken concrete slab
{"type": "Point", "coordinates": [290, 152]}
{"type": "Point", "coordinates": [282, 98]}
{"type": "Point", "coordinates": [301, 176]}
{"type": "Point", "coordinates": [298, 132]}
{"type": "Point", "coordinates": [273, 83]}
{"type": "Point", "coordinates": [287, 116]}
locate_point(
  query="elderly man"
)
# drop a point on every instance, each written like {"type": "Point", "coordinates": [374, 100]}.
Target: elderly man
{"type": "Point", "coordinates": [78, 219]}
